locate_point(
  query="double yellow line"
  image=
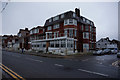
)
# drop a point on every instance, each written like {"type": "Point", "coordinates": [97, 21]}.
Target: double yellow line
{"type": "Point", "coordinates": [11, 73]}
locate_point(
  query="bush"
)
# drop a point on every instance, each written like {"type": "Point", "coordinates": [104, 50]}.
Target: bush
{"type": "Point", "coordinates": [40, 51]}
{"type": "Point", "coordinates": [49, 52]}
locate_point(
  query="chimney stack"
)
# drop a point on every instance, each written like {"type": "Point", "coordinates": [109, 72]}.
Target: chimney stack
{"type": "Point", "coordinates": [77, 12]}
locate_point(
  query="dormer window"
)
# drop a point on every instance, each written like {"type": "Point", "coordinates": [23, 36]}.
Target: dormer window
{"type": "Point", "coordinates": [49, 28]}
{"type": "Point", "coordinates": [87, 21]}
{"type": "Point", "coordinates": [70, 22]}
{"type": "Point", "coordinates": [74, 15]}
{"type": "Point", "coordinates": [50, 20]}
{"type": "Point", "coordinates": [55, 18]}
{"type": "Point", "coordinates": [84, 19]}
{"type": "Point", "coordinates": [31, 32]}
{"type": "Point", "coordinates": [62, 16]}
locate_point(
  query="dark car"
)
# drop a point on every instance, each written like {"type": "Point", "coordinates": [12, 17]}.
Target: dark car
{"type": "Point", "coordinates": [106, 51]}
{"type": "Point", "coordinates": [118, 63]}
{"type": "Point", "coordinates": [118, 54]}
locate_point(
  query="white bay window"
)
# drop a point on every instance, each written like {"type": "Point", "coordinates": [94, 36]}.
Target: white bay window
{"type": "Point", "coordinates": [70, 22]}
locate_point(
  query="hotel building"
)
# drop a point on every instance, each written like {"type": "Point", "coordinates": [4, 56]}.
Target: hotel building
{"type": "Point", "coordinates": [66, 33]}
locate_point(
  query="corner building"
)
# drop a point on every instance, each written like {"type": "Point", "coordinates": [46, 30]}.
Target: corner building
{"type": "Point", "coordinates": [68, 33]}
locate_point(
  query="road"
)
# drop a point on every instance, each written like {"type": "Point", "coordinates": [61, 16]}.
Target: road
{"type": "Point", "coordinates": [29, 66]}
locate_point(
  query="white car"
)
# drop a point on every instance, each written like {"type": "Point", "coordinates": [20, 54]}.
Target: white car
{"type": "Point", "coordinates": [113, 51]}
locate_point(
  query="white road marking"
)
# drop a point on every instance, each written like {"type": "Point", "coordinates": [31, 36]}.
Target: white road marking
{"type": "Point", "coordinates": [101, 59]}
{"type": "Point", "coordinates": [58, 65]}
{"type": "Point", "coordinates": [34, 60]}
{"type": "Point", "coordinates": [85, 60]}
{"type": "Point", "coordinates": [99, 62]}
{"type": "Point", "coordinates": [93, 72]}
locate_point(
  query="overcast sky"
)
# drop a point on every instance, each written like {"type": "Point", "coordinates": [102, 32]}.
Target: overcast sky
{"type": "Point", "coordinates": [19, 15]}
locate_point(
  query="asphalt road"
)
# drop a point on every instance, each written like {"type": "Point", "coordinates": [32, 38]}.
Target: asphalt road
{"type": "Point", "coordinates": [29, 66]}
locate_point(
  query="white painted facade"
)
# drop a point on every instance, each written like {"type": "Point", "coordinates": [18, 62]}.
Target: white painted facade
{"type": "Point", "coordinates": [16, 46]}
{"type": "Point", "coordinates": [59, 45]}
{"type": "Point", "coordinates": [105, 43]}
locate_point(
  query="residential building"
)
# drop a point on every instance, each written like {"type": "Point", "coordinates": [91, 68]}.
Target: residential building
{"type": "Point", "coordinates": [12, 40]}
{"type": "Point", "coordinates": [68, 32]}
{"type": "Point", "coordinates": [105, 43]}
{"type": "Point", "coordinates": [36, 33]}
{"type": "Point", "coordinates": [23, 36]}
{"type": "Point", "coordinates": [5, 40]}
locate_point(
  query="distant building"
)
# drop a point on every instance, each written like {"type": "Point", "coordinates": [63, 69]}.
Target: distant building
{"type": "Point", "coordinates": [23, 37]}
{"type": "Point", "coordinates": [36, 33]}
{"type": "Point", "coordinates": [68, 32]}
{"type": "Point", "coordinates": [12, 41]}
{"type": "Point", "coordinates": [9, 40]}
{"type": "Point", "coordinates": [105, 43]}
{"type": "Point", "coordinates": [6, 39]}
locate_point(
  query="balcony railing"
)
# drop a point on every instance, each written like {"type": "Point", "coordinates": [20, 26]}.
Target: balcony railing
{"type": "Point", "coordinates": [52, 36]}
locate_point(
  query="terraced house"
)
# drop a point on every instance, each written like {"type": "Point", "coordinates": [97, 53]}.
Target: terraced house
{"type": "Point", "coordinates": [68, 33]}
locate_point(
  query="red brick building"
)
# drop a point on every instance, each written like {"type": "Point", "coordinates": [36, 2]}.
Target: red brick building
{"type": "Point", "coordinates": [68, 32]}
{"type": "Point", "coordinates": [23, 36]}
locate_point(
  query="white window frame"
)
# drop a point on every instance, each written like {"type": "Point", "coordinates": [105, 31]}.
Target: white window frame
{"type": "Point", "coordinates": [86, 28]}
{"type": "Point", "coordinates": [70, 22]}
{"type": "Point", "coordinates": [85, 35]}
{"type": "Point", "coordinates": [86, 46]}
{"type": "Point", "coordinates": [56, 26]}
{"type": "Point", "coordinates": [87, 21]}
{"type": "Point", "coordinates": [62, 15]}
{"type": "Point", "coordinates": [84, 19]}
{"type": "Point", "coordinates": [75, 32]}
{"type": "Point", "coordinates": [82, 27]}
{"type": "Point", "coordinates": [50, 20]}
{"type": "Point", "coordinates": [90, 28]}
{"type": "Point", "coordinates": [71, 34]}
{"type": "Point", "coordinates": [75, 22]}
{"type": "Point", "coordinates": [65, 32]}
{"type": "Point", "coordinates": [56, 18]}
{"type": "Point", "coordinates": [66, 22]}
{"type": "Point", "coordinates": [74, 15]}
{"type": "Point", "coordinates": [49, 28]}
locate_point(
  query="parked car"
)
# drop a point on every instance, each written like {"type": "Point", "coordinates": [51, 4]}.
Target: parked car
{"type": "Point", "coordinates": [99, 52]}
{"type": "Point", "coordinates": [118, 63]}
{"type": "Point", "coordinates": [106, 51]}
{"type": "Point", "coordinates": [118, 54]}
{"type": "Point", "coordinates": [114, 51]}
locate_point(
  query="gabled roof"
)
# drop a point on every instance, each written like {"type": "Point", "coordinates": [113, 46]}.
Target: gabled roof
{"type": "Point", "coordinates": [40, 27]}
{"type": "Point", "coordinates": [67, 15]}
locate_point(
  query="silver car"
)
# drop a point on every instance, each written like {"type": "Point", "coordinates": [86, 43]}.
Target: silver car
{"type": "Point", "coordinates": [99, 52]}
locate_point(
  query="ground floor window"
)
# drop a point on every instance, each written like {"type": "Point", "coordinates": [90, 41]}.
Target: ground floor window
{"type": "Point", "coordinates": [70, 43]}
{"type": "Point", "coordinates": [55, 44]}
{"type": "Point", "coordinates": [86, 46]}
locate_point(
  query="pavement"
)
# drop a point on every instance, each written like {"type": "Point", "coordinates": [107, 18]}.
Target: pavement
{"type": "Point", "coordinates": [48, 55]}
{"type": "Point", "coordinates": [29, 66]}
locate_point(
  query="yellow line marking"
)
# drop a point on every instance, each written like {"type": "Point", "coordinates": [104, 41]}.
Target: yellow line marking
{"type": "Point", "coordinates": [10, 73]}
{"type": "Point", "coordinates": [13, 72]}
